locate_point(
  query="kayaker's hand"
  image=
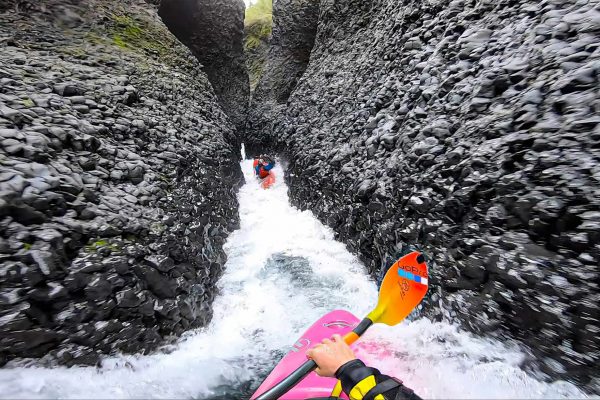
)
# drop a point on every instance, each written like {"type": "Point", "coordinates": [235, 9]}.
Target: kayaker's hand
{"type": "Point", "coordinates": [330, 355]}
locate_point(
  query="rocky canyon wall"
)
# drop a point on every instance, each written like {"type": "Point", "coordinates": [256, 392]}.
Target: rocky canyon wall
{"type": "Point", "coordinates": [470, 130]}
{"type": "Point", "coordinates": [292, 40]}
{"type": "Point", "coordinates": [118, 176]}
{"type": "Point", "coordinates": [214, 31]}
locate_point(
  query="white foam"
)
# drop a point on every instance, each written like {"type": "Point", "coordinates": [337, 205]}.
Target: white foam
{"type": "Point", "coordinates": [263, 307]}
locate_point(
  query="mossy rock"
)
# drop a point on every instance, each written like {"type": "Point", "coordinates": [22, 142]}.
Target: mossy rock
{"type": "Point", "coordinates": [134, 34]}
{"type": "Point", "coordinates": [258, 27]}
{"type": "Point", "coordinates": [100, 244]}
{"type": "Point", "coordinates": [28, 103]}
{"type": "Point", "coordinates": [258, 23]}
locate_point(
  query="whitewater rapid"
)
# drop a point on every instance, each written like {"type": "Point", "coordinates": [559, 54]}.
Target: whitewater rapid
{"type": "Point", "coordinates": [285, 270]}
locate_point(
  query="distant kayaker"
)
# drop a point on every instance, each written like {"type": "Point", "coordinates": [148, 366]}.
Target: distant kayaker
{"type": "Point", "coordinates": [262, 165]}
{"type": "Point", "coordinates": [336, 359]}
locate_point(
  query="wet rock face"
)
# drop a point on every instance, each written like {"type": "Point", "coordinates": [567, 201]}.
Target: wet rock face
{"type": "Point", "coordinates": [117, 183]}
{"type": "Point", "coordinates": [469, 130]}
{"type": "Point", "coordinates": [214, 31]}
{"type": "Point", "coordinates": [256, 47]}
{"type": "Point", "coordinates": [293, 37]}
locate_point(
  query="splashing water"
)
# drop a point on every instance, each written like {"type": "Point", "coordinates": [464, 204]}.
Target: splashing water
{"type": "Point", "coordinates": [284, 271]}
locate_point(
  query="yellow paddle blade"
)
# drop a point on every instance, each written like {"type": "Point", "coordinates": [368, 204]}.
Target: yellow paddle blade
{"type": "Point", "coordinates": [403, 287]}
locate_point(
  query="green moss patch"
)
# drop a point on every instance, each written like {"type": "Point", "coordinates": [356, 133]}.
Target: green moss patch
{"type": "Point", "coordinates": [99, 244]}
{"type": "Point", "coordinates": [134, 34]}
{"type": "Point", "coordinates": [258, 26]}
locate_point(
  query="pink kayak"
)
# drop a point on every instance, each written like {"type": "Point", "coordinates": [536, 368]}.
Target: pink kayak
{"type": "Point", "coordinates": [338, 321]}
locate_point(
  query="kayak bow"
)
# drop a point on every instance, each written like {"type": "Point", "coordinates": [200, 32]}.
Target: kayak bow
{"type": "Point", "coordinates": [402, 289]}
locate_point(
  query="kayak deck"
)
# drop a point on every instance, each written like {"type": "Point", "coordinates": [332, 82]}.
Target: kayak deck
{"type": "Point", "coordinates": [338, 321]}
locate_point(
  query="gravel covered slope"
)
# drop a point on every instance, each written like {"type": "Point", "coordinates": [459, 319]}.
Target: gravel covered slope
{"type": "Point", "coordinates": [469, 129]}
{"type": "Point", "coordinates": [117, 181]}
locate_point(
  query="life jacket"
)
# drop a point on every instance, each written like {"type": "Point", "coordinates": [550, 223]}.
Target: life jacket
{"type": "Point", "coordinates": [261, 172]}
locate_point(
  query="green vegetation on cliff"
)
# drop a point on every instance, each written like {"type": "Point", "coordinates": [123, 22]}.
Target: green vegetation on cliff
{"type": "Point", "coordinates": [128, 28]}
{"type": "Point", "coordinates": [138, 34]}
{"type": "Point", "coordinates": [257, 25]}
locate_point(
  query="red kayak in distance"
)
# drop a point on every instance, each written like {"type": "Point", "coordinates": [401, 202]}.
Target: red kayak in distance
{"type": "Point", "coordinates": [268, 181]}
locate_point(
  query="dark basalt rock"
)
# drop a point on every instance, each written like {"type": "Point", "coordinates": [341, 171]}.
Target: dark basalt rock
{"type": "Point", "coordinates": [256, 47]}
{"type": "Point", "coordinates": [292, 39]}
{"type": "Point", "coordinates": [214, 31]}
{"type": "Point", "coordinates": [466, 130]}
{"type": "Point", "coordinates": [116, 170]}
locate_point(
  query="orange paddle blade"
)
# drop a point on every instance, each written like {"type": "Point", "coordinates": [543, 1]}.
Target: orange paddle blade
{"type": "Point", "coordinates": [403, 287]}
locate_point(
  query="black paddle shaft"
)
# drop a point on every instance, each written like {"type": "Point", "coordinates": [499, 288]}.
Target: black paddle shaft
{"type": "Point", "coordinates": [286, 384]}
